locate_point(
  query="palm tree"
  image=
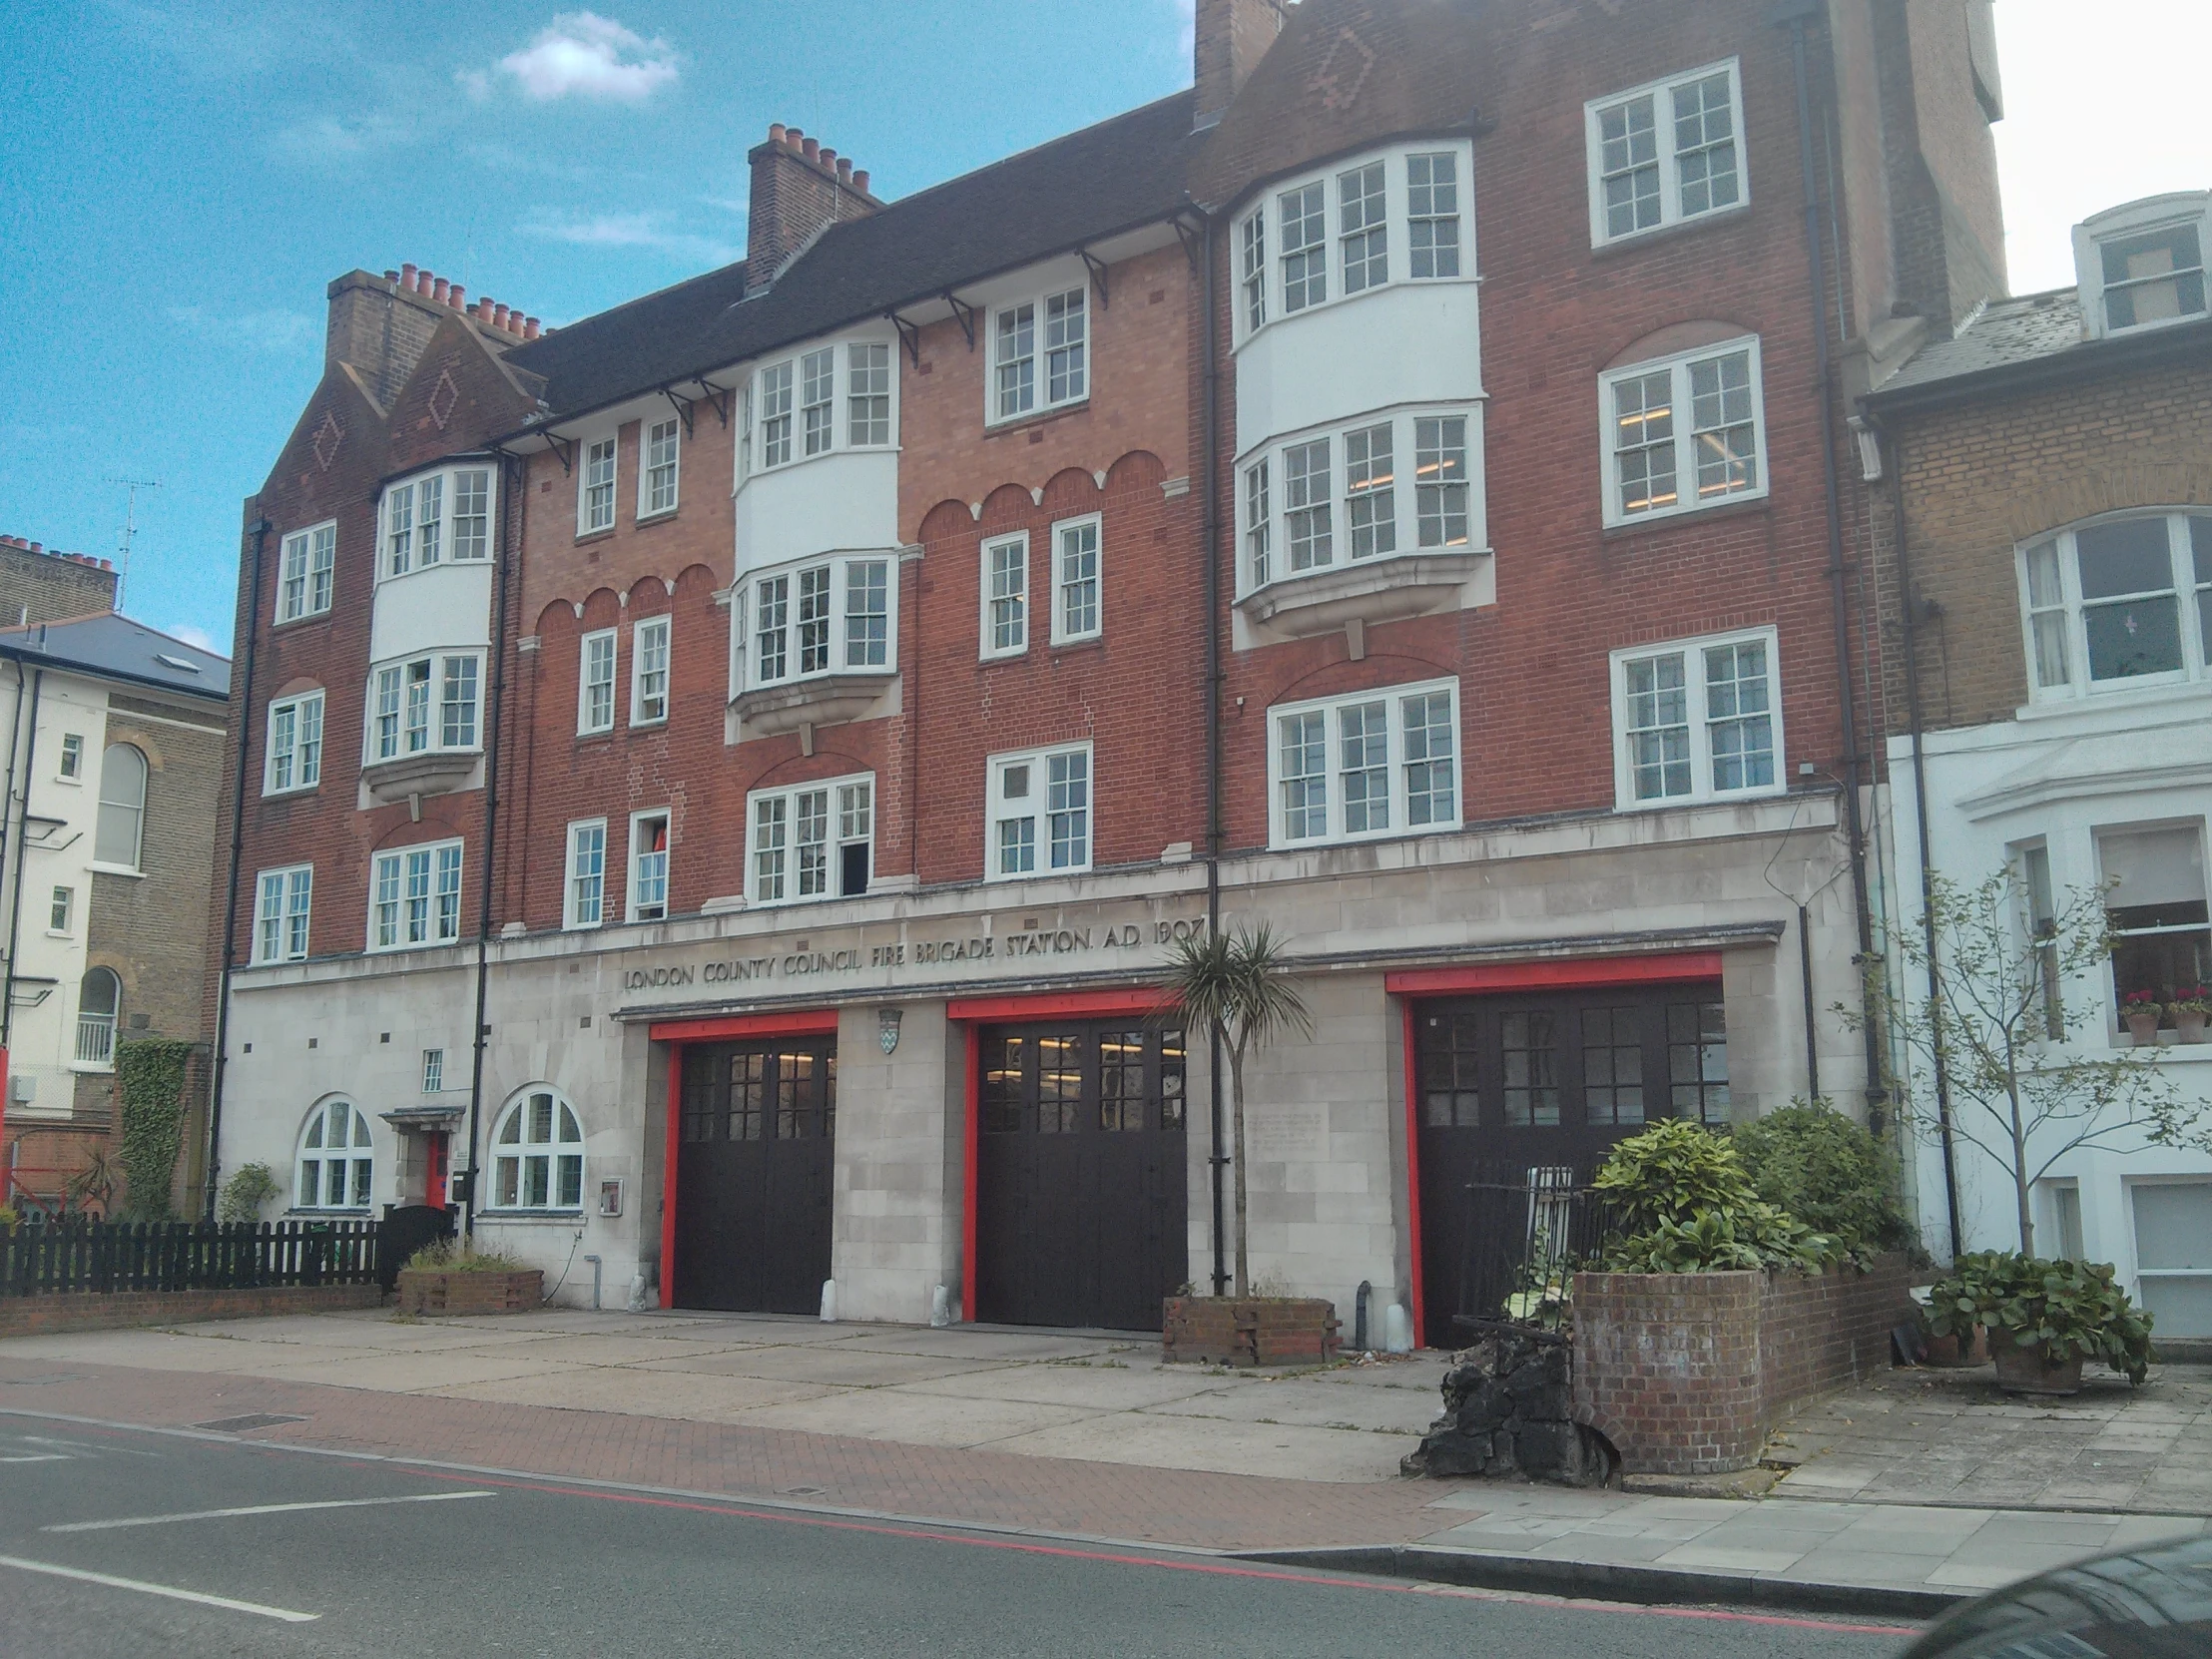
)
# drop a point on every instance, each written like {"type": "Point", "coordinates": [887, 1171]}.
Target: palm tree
{"type": "Point", "coordinates": [1238, 987]}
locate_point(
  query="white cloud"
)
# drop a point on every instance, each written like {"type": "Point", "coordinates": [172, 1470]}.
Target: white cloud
{"type": "Point", "coordinates": [276, 332]}
{"type": "Point", "coordinates": [633, 229]}
{"type": "Point", "coordinates": [192, 635]}
{"type": "Point", "coordinates": [588, 56]}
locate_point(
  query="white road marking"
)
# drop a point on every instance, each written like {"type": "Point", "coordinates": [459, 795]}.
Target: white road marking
{"type": "Point", "coordinates": [41, 1457]}
{"type": "Point", "coordinates": [170, 1590]}
{"type": "Point", "coordinates": [258, 1510]}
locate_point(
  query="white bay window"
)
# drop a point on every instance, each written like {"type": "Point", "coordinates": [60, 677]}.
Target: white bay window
{"type": "Point", "coordinates": [1323, 502]}
{"type": "Point", "coordinates": [424, 705]}
{"type": "Point", "coordinates": [441, 518]}
{"type": "Point", "coordinates": [834, 617]}
{"type": "Point", "coordinates": [2119, 604]}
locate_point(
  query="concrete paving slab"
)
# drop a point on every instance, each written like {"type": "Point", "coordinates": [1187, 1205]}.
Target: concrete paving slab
{"type": "Point", "coordinates": [1000, 1345]}
{"type": "Point", "coordinates": [624, 1350]}
{"type": "Point", "coordinates": [1741, 1558]}
{"type": "Point", "coordinates": [691, 1399]}
{"type": "Point", "coordinates": [1326, 1454]}
{"type": "Point", "coordinates": [1088, 1388]}
{"type": "Point", "coordinates": [840, 1365]}
{"type": "Point", "coordinates": [159, 1351]}
{"type": "Point", "coordinates": [1310, 1405]}
{"type": "Point", "coordinates": [917, 1419]}
{"type": "Point", "coordinates": [409, 1373]}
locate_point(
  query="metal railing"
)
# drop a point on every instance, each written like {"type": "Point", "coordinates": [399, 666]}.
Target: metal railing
{"type": "Point", "coordinates": [74, 1255]}
{"type": "Point", "coordinates": [96, 1039]}
{"type": "Point", "coordinates": [1527, 1232]}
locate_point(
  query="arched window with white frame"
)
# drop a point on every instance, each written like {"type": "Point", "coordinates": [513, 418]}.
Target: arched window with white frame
{"type": "Point", "coordinates": [537, 1154]}
{"type": "Point", "coordinates": [122, 822]}
{"type": "Point", "coordinates": [338, 1160]}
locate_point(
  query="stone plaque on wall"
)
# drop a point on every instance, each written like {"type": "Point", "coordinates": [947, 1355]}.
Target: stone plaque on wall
{"type": "Point", "coordinates": [1287, 1134]}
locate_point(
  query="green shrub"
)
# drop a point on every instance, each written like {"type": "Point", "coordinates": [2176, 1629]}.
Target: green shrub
{"type": "Point", "coordinates": [150, 1077]}
{"type": "Point", "coordinates": [2071, 1306]}
{"type": "Point", "coordinates": [252, 1186]}
{"type": "Point", "coordinates": [1686, 1204]}
{"type": "Point", "coordinates": [463, 1255]}
{"type": "Point", "coordinates": [1827, 1171]}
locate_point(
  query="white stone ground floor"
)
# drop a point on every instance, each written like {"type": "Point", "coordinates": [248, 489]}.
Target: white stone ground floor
{"type": "Point", "coordinates": [1571, 959]}
{"type": "Point", "coordinates": [2115, 796]}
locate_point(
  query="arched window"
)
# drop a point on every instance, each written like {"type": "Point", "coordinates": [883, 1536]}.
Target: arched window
{"type": "Point", "coordinates": [336, 1165]}
{"type": "Point", "coordinates": [99, 999]}
{"type": "Point", "coordinates": [538, 1155]}
{"type": "Point", "coordinates": [121, 807]}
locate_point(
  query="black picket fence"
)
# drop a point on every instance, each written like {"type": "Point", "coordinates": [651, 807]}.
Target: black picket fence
{"type": "Point", "coordinates": [1528, 1231]}
{"type": "Point", "coordinates": [101, 1256]}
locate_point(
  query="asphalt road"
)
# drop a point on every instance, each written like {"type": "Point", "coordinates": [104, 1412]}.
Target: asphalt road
{"type": "Point", "coordinates": [106, 1547]}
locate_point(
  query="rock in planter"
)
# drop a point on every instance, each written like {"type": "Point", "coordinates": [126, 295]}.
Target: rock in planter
{"type": "Point", "coordinates": [435, 1291]}
{"type": "Point", "coordinates": [2028, 1368]}
{"type": "Point", "coordinates": [1507, 1405]}
{"type": "Point", "coordinates": [1249, 1330]}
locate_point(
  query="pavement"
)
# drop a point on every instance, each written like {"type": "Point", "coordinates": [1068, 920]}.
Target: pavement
{"type": "Point", "coordinates": [214, 1542]}
{"type": "Point", "coordinates": [1088, 1437]}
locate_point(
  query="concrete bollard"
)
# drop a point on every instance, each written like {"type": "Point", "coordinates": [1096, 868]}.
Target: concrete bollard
{"type": "Point", "coordinates": [828, 1302]}
{"type": "Point", "coordinates": [1398, 1330]}
{"type": "Point", "coordinates": [941, 1306]}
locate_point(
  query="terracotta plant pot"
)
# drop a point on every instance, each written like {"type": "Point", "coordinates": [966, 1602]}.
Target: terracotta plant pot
{"type": "Point", "coordinates": [2029, 1370]}
{"type": "Point", "coordinates": [2190, 1026]}
{"type": "Point", "coordinates": [2144, 1029]}
{"type": "Point", "coordinates": [1946, 1352]}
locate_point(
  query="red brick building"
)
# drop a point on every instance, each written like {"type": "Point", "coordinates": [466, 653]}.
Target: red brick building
{"type": "Point", "coordinates": [1393, 490]}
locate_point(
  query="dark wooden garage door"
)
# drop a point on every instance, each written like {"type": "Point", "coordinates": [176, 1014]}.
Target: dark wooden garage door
{"type": "Point", "coordinates": [754, 1175]}
{"type": "Point", "coordinates": [1511, 1085]}
{"type": "Point", "coordinates": [1080, 1175]}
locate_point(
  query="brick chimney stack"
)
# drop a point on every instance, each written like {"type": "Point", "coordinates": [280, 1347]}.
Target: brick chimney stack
{"type": "Point", "coordinates": [1230, 39]}
{"type": "Point", "coordinates": [798, 188]}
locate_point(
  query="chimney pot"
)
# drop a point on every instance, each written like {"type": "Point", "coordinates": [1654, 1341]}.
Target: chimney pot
{"type": "Point", "coordinates": [37, 548]}
{"type": "Point", "coordinates": [828, 156]}
{"type": "Point", "coordinates": [392, 275]}
{"type": "Point", "coordinates": [859, 181]}
{"type": "Point", "coordinates": [794, 137]}
{"type": "Point", "coordinates": [458, 298]}
{"type": "Point", "coordinates": [106, 564]}
{"type": "Point", "coordinates": [499, 316]}
{"type": "Point", "coordinates": [407, 275]}
{"type": "Point", "coordinates": [845, 169]}
{"type": "Point", "coordinates": [812, 149]}
{"type": "Point", "coordinates": [775, 132]}
{"type": "Point", "coordinates": [529, 327]}
{"type": "Point", "coordinates": [439, 287]}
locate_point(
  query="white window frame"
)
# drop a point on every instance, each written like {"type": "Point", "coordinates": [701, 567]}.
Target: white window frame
{"type": "Point", "coordinates": [1398, 758]}
{"type": "Point", "coordinates": [309, 558]}
{"type": "Point", "coordinates": [1077, 366]}
{"type": "Point", "coordinates": [1036, 810]}
{"type": "Point", "coordinates": [641, 711]}
{"type": "Point", "coordinates": [1666, 158]}
{"type": "Point", "coordinates": [1065, 632]}
{"type": "Point", "coordinates": [990, 647]}
{"type": "Point", "coordinates": [358, 1157]}
{"type": "Point", "coordinates": [299, 756]}
{"type": "Point", "coordinates": [439, 665]}
{"type": "Point", "coordinates": [2180, 211]}
{"type": "Point", "coordinates": [852, 396]}
{"type": "Point", "coordinates": [110, 777]}
{"type": "Point", "coordinates": [845, 650]}
{"type": "Point", "coordinates": [591, 454]}
{"type": "Point", "coordinates": [587, 725]}
{"type": "Point", "coordinates": [439, 859]}
{"type": "Point", "coordinates": [61, 913]}
{"type": "Point", "coordinates": [587, 838]}
{"type": "Point", "coordinates": [2050, 627]}
{"type": "Point", "coordinates": [1262, 496]}
{"type": "Point", "coordinates": [431, 541]}
{"type": "Point", "coordinates": [283, 914]}
{"type": "Point", "coordinates": [650, 470]}
{"type": "Point", "coordinates": [1699, 719]}
{"type": "Point", "coordinates": [1681, 368]}
{"type": "Point", "coordinates": [511, 1172]}
{"type": "Point", "coordinates": [636, 905]}
{"type": "Point", "coordinates": [72, 766]}
{"type": "Point", "coordinates": [776, 385]}
{"type": "Point", "coordinates": [775, 866]}
{"type": "Point", "coordinates": [434, 1071]}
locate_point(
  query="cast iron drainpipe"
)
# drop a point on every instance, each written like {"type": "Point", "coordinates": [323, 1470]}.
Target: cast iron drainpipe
{"type": "Point", "coordinates": [1919, 798]}
{"type": "Point", "coordinates": [1210, 536]}
{"type": "Point", "coordinates": [21, 847]}
{"type": "Point", "coordinates": [1795, 15]}
{"type": "Point", "coordinates": [259, 530]}
{"type": "Point", "coordinates": [7, 796]}
{"type": "Point", "coordinates": [492, 715]}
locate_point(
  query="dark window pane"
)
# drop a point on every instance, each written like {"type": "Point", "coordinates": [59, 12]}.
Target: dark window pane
{"type": "Point", "coordinates": [2133, 638]}
{"type": "Point", "coordinates": [1004, 1060]}
{"type": "Point", "coordinates": [1059, 1084]}
{"type": "Point", "coordinates": [1172, 1073]}
{"type": "Point", "coordinates": [1121, 1090]}
{"type": "Point", "coordinates": [1697, 1060]}
{"type": "Point", "coordinates": [2128, 557]}
{"type": "Point", "coordinates": [1446, 1060]}
{"type": "Point", "coordinates": [1613, 1066]}
{"type": "Point", "coordinates": [1528, 1049]}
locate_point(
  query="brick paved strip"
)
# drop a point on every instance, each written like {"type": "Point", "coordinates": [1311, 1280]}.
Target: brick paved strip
{"type": "Point", "coordinates": [999, 1490]}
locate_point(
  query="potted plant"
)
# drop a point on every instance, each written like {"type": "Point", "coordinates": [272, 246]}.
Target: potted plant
{"type": "Point", "coordinates": [2043, 1318]}
{"type": "Point", "coordinates": [455, 1276]}
{"type": "Point", "coordinates": [2141, 1011]}
{"type": "Point", "coordinates": [2191, 1009]}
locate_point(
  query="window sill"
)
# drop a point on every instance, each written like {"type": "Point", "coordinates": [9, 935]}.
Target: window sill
{"type": "Point", "coordinates": [1369, 591]}
{"type": "Point", "coordinates": [1674, 801]}
{"type": "Point", "coordinates": [433, 771]}
{"type": "Point", "coordinates": [583, 536]}
{"type": "Point", "coordinates": [661, 517]}
{"type": "Point", "coordinates": [1758, 501]}
{"type": "Point", "coordinates": [360, 1214]}
{"type": "Point", "coordinates": [385, 576]}
{"type": "Point", "coordinates": [99, 869]}
{"type": "Point", "coordinates": [300, 621]}
{"type": "Point", "coordinates": [994, 879]}
{"type": "Point", "coordinates": [1081, 642]}
{"type": "Point", "coordinates": [70, 782]}
{"type": "Point", "coordinates": [2118, 695]}
{"type": "Point", "coordinates": [402, 950]}
{"type": "Point", "coordinates": [823, 700]}
{"type": "Point", "coordinates": [1035, 417]}
{"type": "Point", "coordinates": [550, 1217]}
{"type": "Point", "coordinates": [651, 724]}
{"type": "Point", "coordinates": [85, 1068]}
{"type": "Point", "coordinates": [1635, 241]}
{"type": "Point", "coordinates": [58, 933]}
{"type": "Point", "coordinates": [1325, 843]}
{"type": "Point", "coordinates": [287, 794]}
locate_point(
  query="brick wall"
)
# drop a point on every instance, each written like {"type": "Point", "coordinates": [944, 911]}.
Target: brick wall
{"type": "Point", "coordinates": [47, 586]}
{"type": "Point", "coordinates": [49, 1315]}
{"type": "Point", "coordinates": [1686, 1372]}
{"type": "Point", "coordinates": [1981, 478]}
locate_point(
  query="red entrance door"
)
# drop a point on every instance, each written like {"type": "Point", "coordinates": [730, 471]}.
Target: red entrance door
{"type": "Point", "coordinates": [436, 1153]}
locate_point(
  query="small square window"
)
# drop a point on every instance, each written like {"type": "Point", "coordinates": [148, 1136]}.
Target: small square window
{"type": "Point", "coordinates": [73, 757]}
{"type": "Point", "coordinates": [62, 910]}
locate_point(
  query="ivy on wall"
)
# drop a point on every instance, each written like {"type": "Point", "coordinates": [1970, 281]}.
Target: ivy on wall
{"type": "Point", "coordinates": [150, 1077]}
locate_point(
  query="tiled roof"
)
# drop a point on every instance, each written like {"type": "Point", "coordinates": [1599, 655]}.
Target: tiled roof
{"type": "Point", "coordinates": [2031, 327]}
{"type": "Point", "coordinates": [1120, 173]}
{"type": "Point", "coordinates": [108, 644]}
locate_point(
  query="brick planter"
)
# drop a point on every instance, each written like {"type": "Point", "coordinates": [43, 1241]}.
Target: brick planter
{"type": "Point", "coordinates": [427, 1291]}
{"type": "Point", "coordinates": [1685, 1373]}
{"type": "Point", "coordinates": [1249, 1330]}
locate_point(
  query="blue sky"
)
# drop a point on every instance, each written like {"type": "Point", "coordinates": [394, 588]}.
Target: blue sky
{"type": "Point", "coordinates": [178, 182]}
